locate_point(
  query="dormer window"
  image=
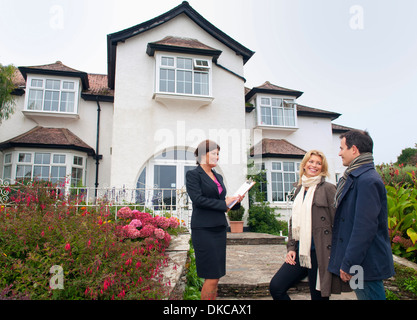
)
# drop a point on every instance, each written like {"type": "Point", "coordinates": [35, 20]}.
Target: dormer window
{"type": "Point", "coordinates": [184, 75]}
{"type": "Point", "coordinates": [52, 95]}
{"type": "Point", "coordinates": [278, 112]}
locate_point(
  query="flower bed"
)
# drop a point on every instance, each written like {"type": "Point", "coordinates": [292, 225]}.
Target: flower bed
{"type": "Point", "coordinates": [52, 249]}
{"type": "Point", "coordinates": [401, 185]}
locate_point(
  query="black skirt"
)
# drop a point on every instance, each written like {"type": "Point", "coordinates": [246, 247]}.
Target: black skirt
{"type": "Point", "coordinates": [210, 251]}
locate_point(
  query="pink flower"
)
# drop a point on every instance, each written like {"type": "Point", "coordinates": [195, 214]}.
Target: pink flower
{"type": "Point", "coordinates": [162, 222]}
{"type": "Point", "coordinates": [159, 233]}
{"type": "Point", "coordinates": [147, 231]}
{"type": "Point", "coordinates": [174, 222]}
{"type": "Point", "coordinates": [135, 223]}
{"type": "Point", "coordinates": [124, 213]}
{"type": "Point", "coordinates": [396, 239]}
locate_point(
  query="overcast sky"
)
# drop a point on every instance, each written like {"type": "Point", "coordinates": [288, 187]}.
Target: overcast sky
{"type": "Point", "coordinates": [357, 58]}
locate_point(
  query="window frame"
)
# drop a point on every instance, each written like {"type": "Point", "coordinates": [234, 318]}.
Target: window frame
{"type": "Point", "coordinates": [195, 69]}
{"type": "Point", "coordinates": [267, 109]}
{"type": "Point", "coordinates": [271, 170]}
{"type": "Point", "coordinates": [58, 159]}
{"type": "Point", "coordinates": [30, 88]}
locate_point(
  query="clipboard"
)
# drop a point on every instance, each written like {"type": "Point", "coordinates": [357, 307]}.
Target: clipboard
{"type": "Point", "coordinates": [244, 188]}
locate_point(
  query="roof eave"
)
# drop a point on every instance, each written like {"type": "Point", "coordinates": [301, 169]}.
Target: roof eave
{"type": "Point", "coordinates": [152, 47]}
{"type": "Point", "coordinates": [11, 144]}
{"type": "Point", "coordinates": [254, 91]}
{"type": "Point", "coordinates": [82, 75]}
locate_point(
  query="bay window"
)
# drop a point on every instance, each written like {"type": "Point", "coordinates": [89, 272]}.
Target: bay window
{"type": "Point", "coordinates": [183, 75]}
{"type": "Point", "coordinates": [50, 94]}
{"type": "Point", "coordinates": [277, 112]}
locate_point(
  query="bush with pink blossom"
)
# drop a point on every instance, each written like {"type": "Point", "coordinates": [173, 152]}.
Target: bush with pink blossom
{"type": "Point", "coordinates": [143, 226]}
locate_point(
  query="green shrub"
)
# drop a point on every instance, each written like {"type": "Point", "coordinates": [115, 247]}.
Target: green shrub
{"type": "Point", "coordinates": [262, 219]}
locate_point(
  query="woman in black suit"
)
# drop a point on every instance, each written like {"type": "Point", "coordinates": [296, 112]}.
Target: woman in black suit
{"type": "Point", "coordinates": [208, 222]}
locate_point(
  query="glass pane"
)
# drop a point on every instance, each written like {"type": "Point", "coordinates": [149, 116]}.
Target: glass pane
{"type": "Point", "coordinates": [167, 80]}
{"type": "Point", "coordinates": [165, 178]}
{"type": "Point", "coordinates": [35, 99]}
{"type": "Point", "coordinates": [277, 117]}
{"type": "Point", "coordinates": [265, 115]}
{"type": "Point", "coordinates": [59, 158]}
{"type": "Point", "coordinates": [58, 174]}
{"type": "Point", "coordinates": [76, 177]}
{"type": "Point", "coordinates": [25, 157]}
{"type": "Point", "coordinates": [42, 158]}
{"type": "Point", "coordinates": [276, 102]}
{"type": "Point", "coordinates": [276, 165]}
{"type": "Point", "coordinates": [265, 101]}
{"type": "Point", "coordinates": [67, 102]}
{"type": "Point", "coordinates": [78, 161]}
{"type": "Point", "coordinates": [184, 84]}
{"type": "Point", "coordinates": [68, 85]}
{"type": "Point", "coordinates": [185, 63]}
{"type": "Point", "coordinates": [201, 83]}
{"type": "Point", "coordinates": [53, 84]}
{"type": "Point", "coordinates": [51, 100]}
{"type": "Point", "coordinates": [289, 166]}
{"type": "Point", "coordinates": [289, 117]}
{"type": "Point", "coordinates": [37, 83]}
{"type": "Point", "coordinates": [41, 172]}
{"type": "Point", "coordinates": [24, 172]}
{"type": "Point", "coordinates": [166, 61]}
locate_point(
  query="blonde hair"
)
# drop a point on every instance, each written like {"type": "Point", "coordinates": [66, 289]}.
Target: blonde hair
{"type": "Point", "coordinates": [324, 165]}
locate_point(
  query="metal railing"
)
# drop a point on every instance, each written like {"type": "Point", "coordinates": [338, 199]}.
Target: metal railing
{"type": "Point", "coordinates": [157, 201]}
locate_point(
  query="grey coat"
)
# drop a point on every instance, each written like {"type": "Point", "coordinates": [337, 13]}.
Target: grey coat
{"type": "Point", "coordinates": [322, 212]}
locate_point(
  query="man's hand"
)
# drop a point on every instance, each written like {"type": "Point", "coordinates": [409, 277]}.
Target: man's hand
{"type": "Point", "coordinates": [345, 276]}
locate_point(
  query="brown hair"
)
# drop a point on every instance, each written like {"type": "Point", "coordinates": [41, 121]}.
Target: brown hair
{"type": "Point", "coordinates": [204, 147]}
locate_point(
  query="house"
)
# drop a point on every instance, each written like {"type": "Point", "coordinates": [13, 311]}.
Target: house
{"type": "Point", "coordinates": [172, 81]}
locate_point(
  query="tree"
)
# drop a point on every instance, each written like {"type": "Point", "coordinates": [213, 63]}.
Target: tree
{"type": "Point", "coordinates": [7, 100]}
{"type": "Point", "coordinates": [408, 156]}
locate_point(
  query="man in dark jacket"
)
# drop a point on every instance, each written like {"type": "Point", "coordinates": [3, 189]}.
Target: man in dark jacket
{"type": "Point", "coordinates": [360, 243]}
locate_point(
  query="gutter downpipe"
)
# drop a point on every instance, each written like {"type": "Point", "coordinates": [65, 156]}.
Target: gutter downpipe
{"type": "Point", "coordinates": [97, 156]}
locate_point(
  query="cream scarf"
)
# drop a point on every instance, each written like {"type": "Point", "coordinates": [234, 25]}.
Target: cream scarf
{"type": "Point", "coordinates": [301, 218]}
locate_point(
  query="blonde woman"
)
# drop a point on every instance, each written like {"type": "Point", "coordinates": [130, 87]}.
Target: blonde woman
{"type": "Point", "coordinates": [310, 234]}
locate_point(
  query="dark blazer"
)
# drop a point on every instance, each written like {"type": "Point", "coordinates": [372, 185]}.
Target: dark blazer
{"type": "Point", "coordinates": [360, 232]}
{"type": "Point", "coordinates": [209, 206]}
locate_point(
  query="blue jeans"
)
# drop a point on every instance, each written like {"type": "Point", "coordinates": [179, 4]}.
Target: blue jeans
{"type": "Point", "coordinates": [372, 290]}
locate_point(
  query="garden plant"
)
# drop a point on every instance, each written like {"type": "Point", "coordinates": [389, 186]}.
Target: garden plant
{"type": "Point", "coordinates": [52, 247]}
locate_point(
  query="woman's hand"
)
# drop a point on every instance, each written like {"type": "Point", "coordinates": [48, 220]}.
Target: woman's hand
{"type": "Point", "coordinates": [230, 200]}
{"type": "Point", "coordinates": [290, 258]}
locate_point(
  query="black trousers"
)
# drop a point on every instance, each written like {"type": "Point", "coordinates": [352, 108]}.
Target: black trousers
{"type": "Point", "coordinates": [289, 275]}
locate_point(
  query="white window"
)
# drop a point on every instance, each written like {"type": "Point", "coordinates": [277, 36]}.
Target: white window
{"type": "Point", "coordinates": [184, 75]}
{"type": "Point", "coordinates": [277, 112]}
{"type": "Point", "coordinates": [7, 166]}
{"type": "Point", "coordinates": [282, 176]}
{"type": "Point", "coordinates": [77, 172]}
{"type": "Point", "coordinates": [48, 166]}
{"type": "Point", "coordinates": [52, 95]}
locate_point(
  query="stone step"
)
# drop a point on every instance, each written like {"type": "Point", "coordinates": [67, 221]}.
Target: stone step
{"type": "Point", "coordinates": [260, 290]}
{"type": "Point", "coordinates": [253, 238]}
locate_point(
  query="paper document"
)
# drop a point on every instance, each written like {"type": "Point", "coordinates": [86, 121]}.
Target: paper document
{"type": "Point", "coordinates": [245, 187]}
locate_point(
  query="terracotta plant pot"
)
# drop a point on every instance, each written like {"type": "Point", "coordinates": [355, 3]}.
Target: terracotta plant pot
{"type": "Point", "coordinates": [236, 226]}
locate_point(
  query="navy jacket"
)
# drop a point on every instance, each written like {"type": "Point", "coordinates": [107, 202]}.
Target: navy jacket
{"type": "Point", "coordinates": [360, 231]}
{"type": "Point", "coordinates": [209, 206]}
